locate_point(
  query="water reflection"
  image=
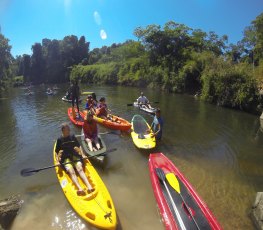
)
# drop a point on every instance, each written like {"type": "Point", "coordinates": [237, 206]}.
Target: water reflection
{"type": "Point", "coordinates": [68, 221]}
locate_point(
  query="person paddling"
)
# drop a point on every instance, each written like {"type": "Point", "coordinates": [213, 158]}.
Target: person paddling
{"type": "Point", "coordinates": [67, 150]}
{"type": "Point", "coordinates": [75, 93]}
{"type": "Point", "coordinates": [143, 101]}
{"type": "Point", "coordinates": [102, 110]}
{"type": "Point", "coordinates": [90, 131]}
{"type": "Point", "coordinates": [157, 125]}
{"type": "Point", "coordinates": [90, 105]}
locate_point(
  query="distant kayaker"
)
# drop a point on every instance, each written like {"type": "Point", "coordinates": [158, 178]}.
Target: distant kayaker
{"type": "Point", "coordinates": [157, 125]}
{"type": "Point", "coordinates": [143, 101]}
{"type": "Point", "coordinates": [90, 130]}
{"type": "Point", "coordinates": [68, 149]}
{"type": "Point", "coordinates": [75, 94]}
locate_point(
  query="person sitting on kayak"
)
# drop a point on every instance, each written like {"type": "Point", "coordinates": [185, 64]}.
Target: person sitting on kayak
{"type": "Point", "coordinates": [143, 101]}
{"type": "Point", "coordinates": [90, 130]}
{"type": "Point", "coordinates": [157, 125]}
{"type": "Point", "coordinates": [90, 105]}
{"type": "Point", "coordinates": [102, 110]}
{"type": "Point", "coordinates": [68, 149]}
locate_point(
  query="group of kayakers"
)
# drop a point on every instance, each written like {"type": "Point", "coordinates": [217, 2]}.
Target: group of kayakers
{"type": "Point", "coordinates": [68, 148]}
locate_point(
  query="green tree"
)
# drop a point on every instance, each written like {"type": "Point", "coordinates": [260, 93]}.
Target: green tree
{"type": "Point", "coordinates": [37, 64]}
{"type": "Point", "coordinates": [5, 61]}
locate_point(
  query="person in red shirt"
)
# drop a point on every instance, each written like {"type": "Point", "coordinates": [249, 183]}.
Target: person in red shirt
{"type": "Point", "coordinates": [90, 131]}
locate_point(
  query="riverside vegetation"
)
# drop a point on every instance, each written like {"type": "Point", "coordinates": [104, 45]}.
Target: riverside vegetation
{"type": "Point", "coordinates": [173, 57]}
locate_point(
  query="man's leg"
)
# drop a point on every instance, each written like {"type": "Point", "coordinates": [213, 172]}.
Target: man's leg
{"type": "Point", "coordinates": [74, 178]}
{"type": "Point", "coordinates": [77, 103]}
{"type": "Point", "coordinates": [83, 176]}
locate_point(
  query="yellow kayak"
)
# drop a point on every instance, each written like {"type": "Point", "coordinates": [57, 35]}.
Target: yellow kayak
{"type": "Point", "coordinates": [96, 208]}
{"type": "Point", "coordinates": [141, 133]}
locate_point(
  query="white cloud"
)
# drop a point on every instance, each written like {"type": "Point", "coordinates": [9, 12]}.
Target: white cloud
{"type": "Point", "coordinates": [97, 17]}
{"type": "Point", "coordinates": [103, 34]}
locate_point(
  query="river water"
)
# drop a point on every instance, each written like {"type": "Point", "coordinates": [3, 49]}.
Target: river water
{"type": "Point", "coordinates": [218, 150]}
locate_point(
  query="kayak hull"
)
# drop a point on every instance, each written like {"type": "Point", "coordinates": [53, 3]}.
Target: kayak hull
{"type": "Point", "coordinates": [96, 208]}
{"type": "Point", "coordinates": [122, 126]}
{"type": "Point", "coordinates": [143, 139]}
{"type": "Point", "coordinates": [92, 153]}
{"type": "Point", "coordinates": [76, 121]}
{"type": "Point", "coordinates": [144, 108]}
{"type": "Point", "coordinates": [199, 210]}
{"type": "Point", "coordinates": [67, 100]}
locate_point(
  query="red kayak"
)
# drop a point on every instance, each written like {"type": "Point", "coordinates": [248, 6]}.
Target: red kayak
{"type": "Point", "coordinates": [179, 205]}
{"type": "Point", "coordinates": [78, 121]}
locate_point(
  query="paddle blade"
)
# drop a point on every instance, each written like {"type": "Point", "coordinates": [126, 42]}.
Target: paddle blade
{"type": "Point", "coordinates": [171, 178]}
{"type": "Point", "coordinates": [28, 172]}
{"type": "Point", "coordinates": [156, 102]}
{"type": "Point", "coordinates": [160, 174]}
{"type": "Point", "coordinates": [129, 104]}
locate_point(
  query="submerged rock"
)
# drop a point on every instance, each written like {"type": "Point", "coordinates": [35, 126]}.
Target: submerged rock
{"type": "Point", "coordinates": [257, 211]}
{"type": "Point", "coordinates": [8, 210]}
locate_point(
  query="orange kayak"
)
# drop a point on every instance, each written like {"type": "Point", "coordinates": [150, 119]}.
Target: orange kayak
{"type": "Point", "coordinates": [76, 121]}
{"type": "Point", "coordinates": [116, 123]}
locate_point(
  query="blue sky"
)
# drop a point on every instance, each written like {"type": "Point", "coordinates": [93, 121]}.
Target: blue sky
{"type": "Point", "coordinates": [104, 22]}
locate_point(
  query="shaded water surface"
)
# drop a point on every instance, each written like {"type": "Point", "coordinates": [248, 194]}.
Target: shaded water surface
{"type": "Point", "coordinates": [218, 150]}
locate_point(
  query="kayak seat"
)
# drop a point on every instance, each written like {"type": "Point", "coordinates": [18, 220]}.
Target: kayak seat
{"type": "Point", "coordinates": [91, 196]}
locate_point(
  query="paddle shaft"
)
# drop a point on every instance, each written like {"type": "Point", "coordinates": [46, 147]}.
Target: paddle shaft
{"type": "Point", "coordinates": [81, 135]}
{"type": "Point", "coordinates": [56, 165]}
{"type": "Point", "coordinates": [176, 187]}
{"type": "Point", "coordinates": [161, 175]}
{"type": "Point", "coordinates": [155, 102]}
{"type": "Point", "coordinates": [181, 223]}
{"type": "Point", "coordinates": [188, 209]}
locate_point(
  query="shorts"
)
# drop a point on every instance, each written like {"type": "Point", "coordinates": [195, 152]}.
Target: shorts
{"type": "Point", "coordinates": [72, 165]}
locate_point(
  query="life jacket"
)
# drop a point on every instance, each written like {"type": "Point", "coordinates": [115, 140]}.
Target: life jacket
{"type": "Point", "coordinates": [101, 110]}
{"type": "Point", "coordinates": [67, 145]}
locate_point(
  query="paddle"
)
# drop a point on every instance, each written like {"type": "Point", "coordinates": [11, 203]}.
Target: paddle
{"type": "Point", "coordinates": [32, 171]}
{"type": "Point", "coordinates": [110, 132]}
{"type": "Point", "coordinates": [155, 102]}
{"type": "Point", "coordinates": [171, 178]}
{"type": "Point", "coordinates": [161, 176]}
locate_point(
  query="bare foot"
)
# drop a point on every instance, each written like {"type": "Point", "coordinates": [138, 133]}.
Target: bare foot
{"type": "Point", "coordinates": [91, 190]}
{"type": "Point", "coordinates": [81, 193]}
